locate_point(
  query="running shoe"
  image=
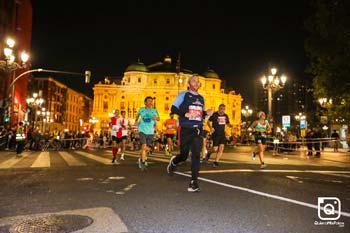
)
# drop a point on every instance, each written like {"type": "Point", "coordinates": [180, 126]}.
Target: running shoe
{"type": "Point", "coordinates": [253, 155]}
{"type": "Point", "coordinates": [215, 164]}
{"type": "Point", "coordinates": [193, 187]}
{"type": "Point", "coordinates": [171, 166]}
{"type": "Point", "coordinates": [263, 165]}
{"type": "Point", "coordinates": [122, 157]}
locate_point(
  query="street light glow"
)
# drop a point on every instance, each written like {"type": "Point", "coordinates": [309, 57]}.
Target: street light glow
{"type": "Point", "coordinates": [10, 42]}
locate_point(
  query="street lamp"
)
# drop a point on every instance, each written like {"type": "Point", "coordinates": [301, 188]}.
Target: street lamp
{"type": "Point", "coordinates": [92, 122]}
{"type": "Point", "coordinates": [9, 64]}
{"type": "Point", "coordinates": [34, 103]}
{"type": "Point", "coordinates": [246, 112]}
{"type": "Point", "coordinates": [44, 116]}
{"type": "Point", "coordinates": [272, 82]}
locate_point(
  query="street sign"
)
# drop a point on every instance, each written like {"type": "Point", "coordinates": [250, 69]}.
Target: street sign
{"type": "Point", "coordinates": [302, 123]}
{"type": "Point", "coordinates": [286, 121]}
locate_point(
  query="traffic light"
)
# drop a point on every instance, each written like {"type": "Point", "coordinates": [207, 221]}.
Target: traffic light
{"type": "Point", "coordinates": [87, 76]}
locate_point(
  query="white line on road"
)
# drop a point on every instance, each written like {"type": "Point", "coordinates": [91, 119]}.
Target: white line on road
{"type": "Point", "coordinates": [94, 157]}
{"type": "Point", "coordinates": [346, 214]}
{"type": "Point", "coordinates": [70, 160]}
{"type": "Point", "coordinates": [12, 161]}
{"type": "Point", "coordinates": [276, 171]}
{"type": "Point", "coordinates": [43, 160]}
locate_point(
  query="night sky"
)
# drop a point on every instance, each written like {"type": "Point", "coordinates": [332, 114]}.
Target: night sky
{"type": "Point", "coordinates": [238, 42]}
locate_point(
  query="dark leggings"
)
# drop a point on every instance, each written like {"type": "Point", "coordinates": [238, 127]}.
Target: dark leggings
{"type": "Point", "coordinates": [190, 139]}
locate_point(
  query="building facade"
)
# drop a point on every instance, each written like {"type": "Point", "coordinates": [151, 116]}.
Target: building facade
{"type": "Point", "coordinates": [63, 108]}
{"type": "Point", "coordinates": [16, 23]}
{"type": "Point", "coordinates": [163, 81]}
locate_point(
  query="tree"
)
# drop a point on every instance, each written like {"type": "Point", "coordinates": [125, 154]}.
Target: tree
{"type": "Point", "coordinates": [328, 48]}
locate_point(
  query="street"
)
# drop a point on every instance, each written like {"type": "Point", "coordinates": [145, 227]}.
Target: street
{"type": "Point", "coordinates": [235, 197]}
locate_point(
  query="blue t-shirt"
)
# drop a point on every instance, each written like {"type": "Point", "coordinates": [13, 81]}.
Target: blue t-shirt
{"type": "Point", "coordinates": [147, 123]}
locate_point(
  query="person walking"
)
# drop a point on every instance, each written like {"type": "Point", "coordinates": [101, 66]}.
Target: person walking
{"type": "Point", "coordinates": [146, 126]}
{"type": "Point", "coordinates": [335, 138]}
{"type": "Point", "coordinates": [170, 131]}
{"type": "Point", "coordinates": [189, 106]}
{"type": "Point", "coordinates": [260, 128]}
{"type": "Point", "coordinates": [218, 121]}
{"type": "Point", "coordinates": [20, 138]}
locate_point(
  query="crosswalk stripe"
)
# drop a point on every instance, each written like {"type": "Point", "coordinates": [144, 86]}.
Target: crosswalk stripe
{"type": "Point", "coordinates": [70, 160]}
{"type": "Point", "coordinates": [94, 157]}
{"type": "Point", "coordinates": [43, 160]}
{"type": "Point", "coordinates": [12, 161]}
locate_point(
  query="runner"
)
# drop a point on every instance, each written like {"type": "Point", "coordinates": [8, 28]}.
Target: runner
{"type": "Point", "coordinates": [170, 131]}
{"type": "Point", "coordinates": [189, 106]}
{"type": "Point", "coordinates": [260, 128]}
{"type": "Point", "coordinates": [148, 117]}
{"type": "Point", "coordinates": [124, 123]}
{"type": "Point", "coordinates": [219, 120]}
{"type": "Point", "coordinates": [115, 135]}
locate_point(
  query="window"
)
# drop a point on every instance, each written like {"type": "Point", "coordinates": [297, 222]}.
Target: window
{"type": "Point", "coordinates": [213, 86]}
{"type": "Point", "coordinates": [166, 107]}
{"type": "Point", "coordinates": [166, 98]}
{"type": "Point", "coordinates": [123, 97]}
{"type": "Point", "coordinates": [105, 106]}
{"type": "Point", "coordinates": [139, 79]}
{"type": "Point", "coordinates": [122, 106]}
{"type": "Point", "coordinates": [167, 81]}
{"type": "Point", "coordinates": [155, 81]}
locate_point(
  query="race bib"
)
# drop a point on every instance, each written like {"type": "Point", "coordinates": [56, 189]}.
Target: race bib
{"type": "Point", "coordinates": [222, 120]}
{"type": "Point", "coordinates": [196, 113]}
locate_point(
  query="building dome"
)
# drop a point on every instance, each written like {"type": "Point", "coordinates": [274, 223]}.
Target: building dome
{"type": "Point", "coordinates": [137, 66]}
{"type": "Point", "coordinates": [210, 73]}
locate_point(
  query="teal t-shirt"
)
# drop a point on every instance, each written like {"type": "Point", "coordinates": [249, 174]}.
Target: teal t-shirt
{"type": "Point", "coordinates": [146, 122]}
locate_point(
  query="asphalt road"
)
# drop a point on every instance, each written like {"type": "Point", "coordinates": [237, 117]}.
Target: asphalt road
{"type": "Point", "coordinates": [236, 197]}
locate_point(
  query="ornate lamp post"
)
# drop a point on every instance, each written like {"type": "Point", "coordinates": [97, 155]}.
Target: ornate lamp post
{"type": "Point", "coordinates": [92, 122]}
{"type": "Point", "coordinates": [9, 64]}
{"type": "Point", "coordinates": [246, 112]}
{"type": "Point", "coordinates": [270, 83]}
{"type": "Point", "coordinates": [34, 103]}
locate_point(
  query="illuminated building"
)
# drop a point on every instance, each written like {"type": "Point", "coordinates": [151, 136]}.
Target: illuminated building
{"type": "Point", "coordinates": [68, 109]}
{"type": "Point", "coordinates": [163, 81]}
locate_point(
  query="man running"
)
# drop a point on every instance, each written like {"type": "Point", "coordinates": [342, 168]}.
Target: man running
{"type": "Point", "coordinates": [115, 135]}
{"type": "Point", "coordinates": [170, 131]}
{"type": "Point", "coordinates": [124, 124]}
{"type": "Point", "coordinates": [219, 120]}
{"type": "Point", "coordinates": [189, 106]}
{"type": "Point", "coordinates": [148, 117]}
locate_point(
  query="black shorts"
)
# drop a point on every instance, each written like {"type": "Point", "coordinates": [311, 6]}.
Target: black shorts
{"type": "Point", "coordinates": [169, 135]}
{"type": "Point", "coordinates": [115, 139]}
{"type": "Point", "coordinates": [260, 138]}
{"type": "Point", "coordinates": [218, 139]}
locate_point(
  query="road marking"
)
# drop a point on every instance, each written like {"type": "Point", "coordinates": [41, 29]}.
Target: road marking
{"type": "Point", "coordinates": [299, 179]}
{"type": "Point", "coordinates": [96, 158]}
{"type": "Point", "coordinates": [346, 214]}
{"type": "Point", "coordinates": [275, 171]}
{"type": "Point", "coordinates": [70, 160]}
{"type": "Point", "coordinates": [43, 160]}
{"type": "Point", "coordinates": [12, 161]}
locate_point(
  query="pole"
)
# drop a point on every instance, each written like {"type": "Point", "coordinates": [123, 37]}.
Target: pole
{"type": "Point", "coordinates": [269, 99]}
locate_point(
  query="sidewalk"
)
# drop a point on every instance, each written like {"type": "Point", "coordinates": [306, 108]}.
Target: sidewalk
{"type": "Point", "coordinates": [242, 154]}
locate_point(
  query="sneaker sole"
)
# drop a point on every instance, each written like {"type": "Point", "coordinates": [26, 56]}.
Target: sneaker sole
{"type": "Point", "coordinates": [193, 190]}
{"type": "Point", "coordinates": [170, 173]}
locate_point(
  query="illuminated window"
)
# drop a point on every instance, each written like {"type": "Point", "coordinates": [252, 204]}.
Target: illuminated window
{"type": "Point", "coordinates": [105, 106]}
